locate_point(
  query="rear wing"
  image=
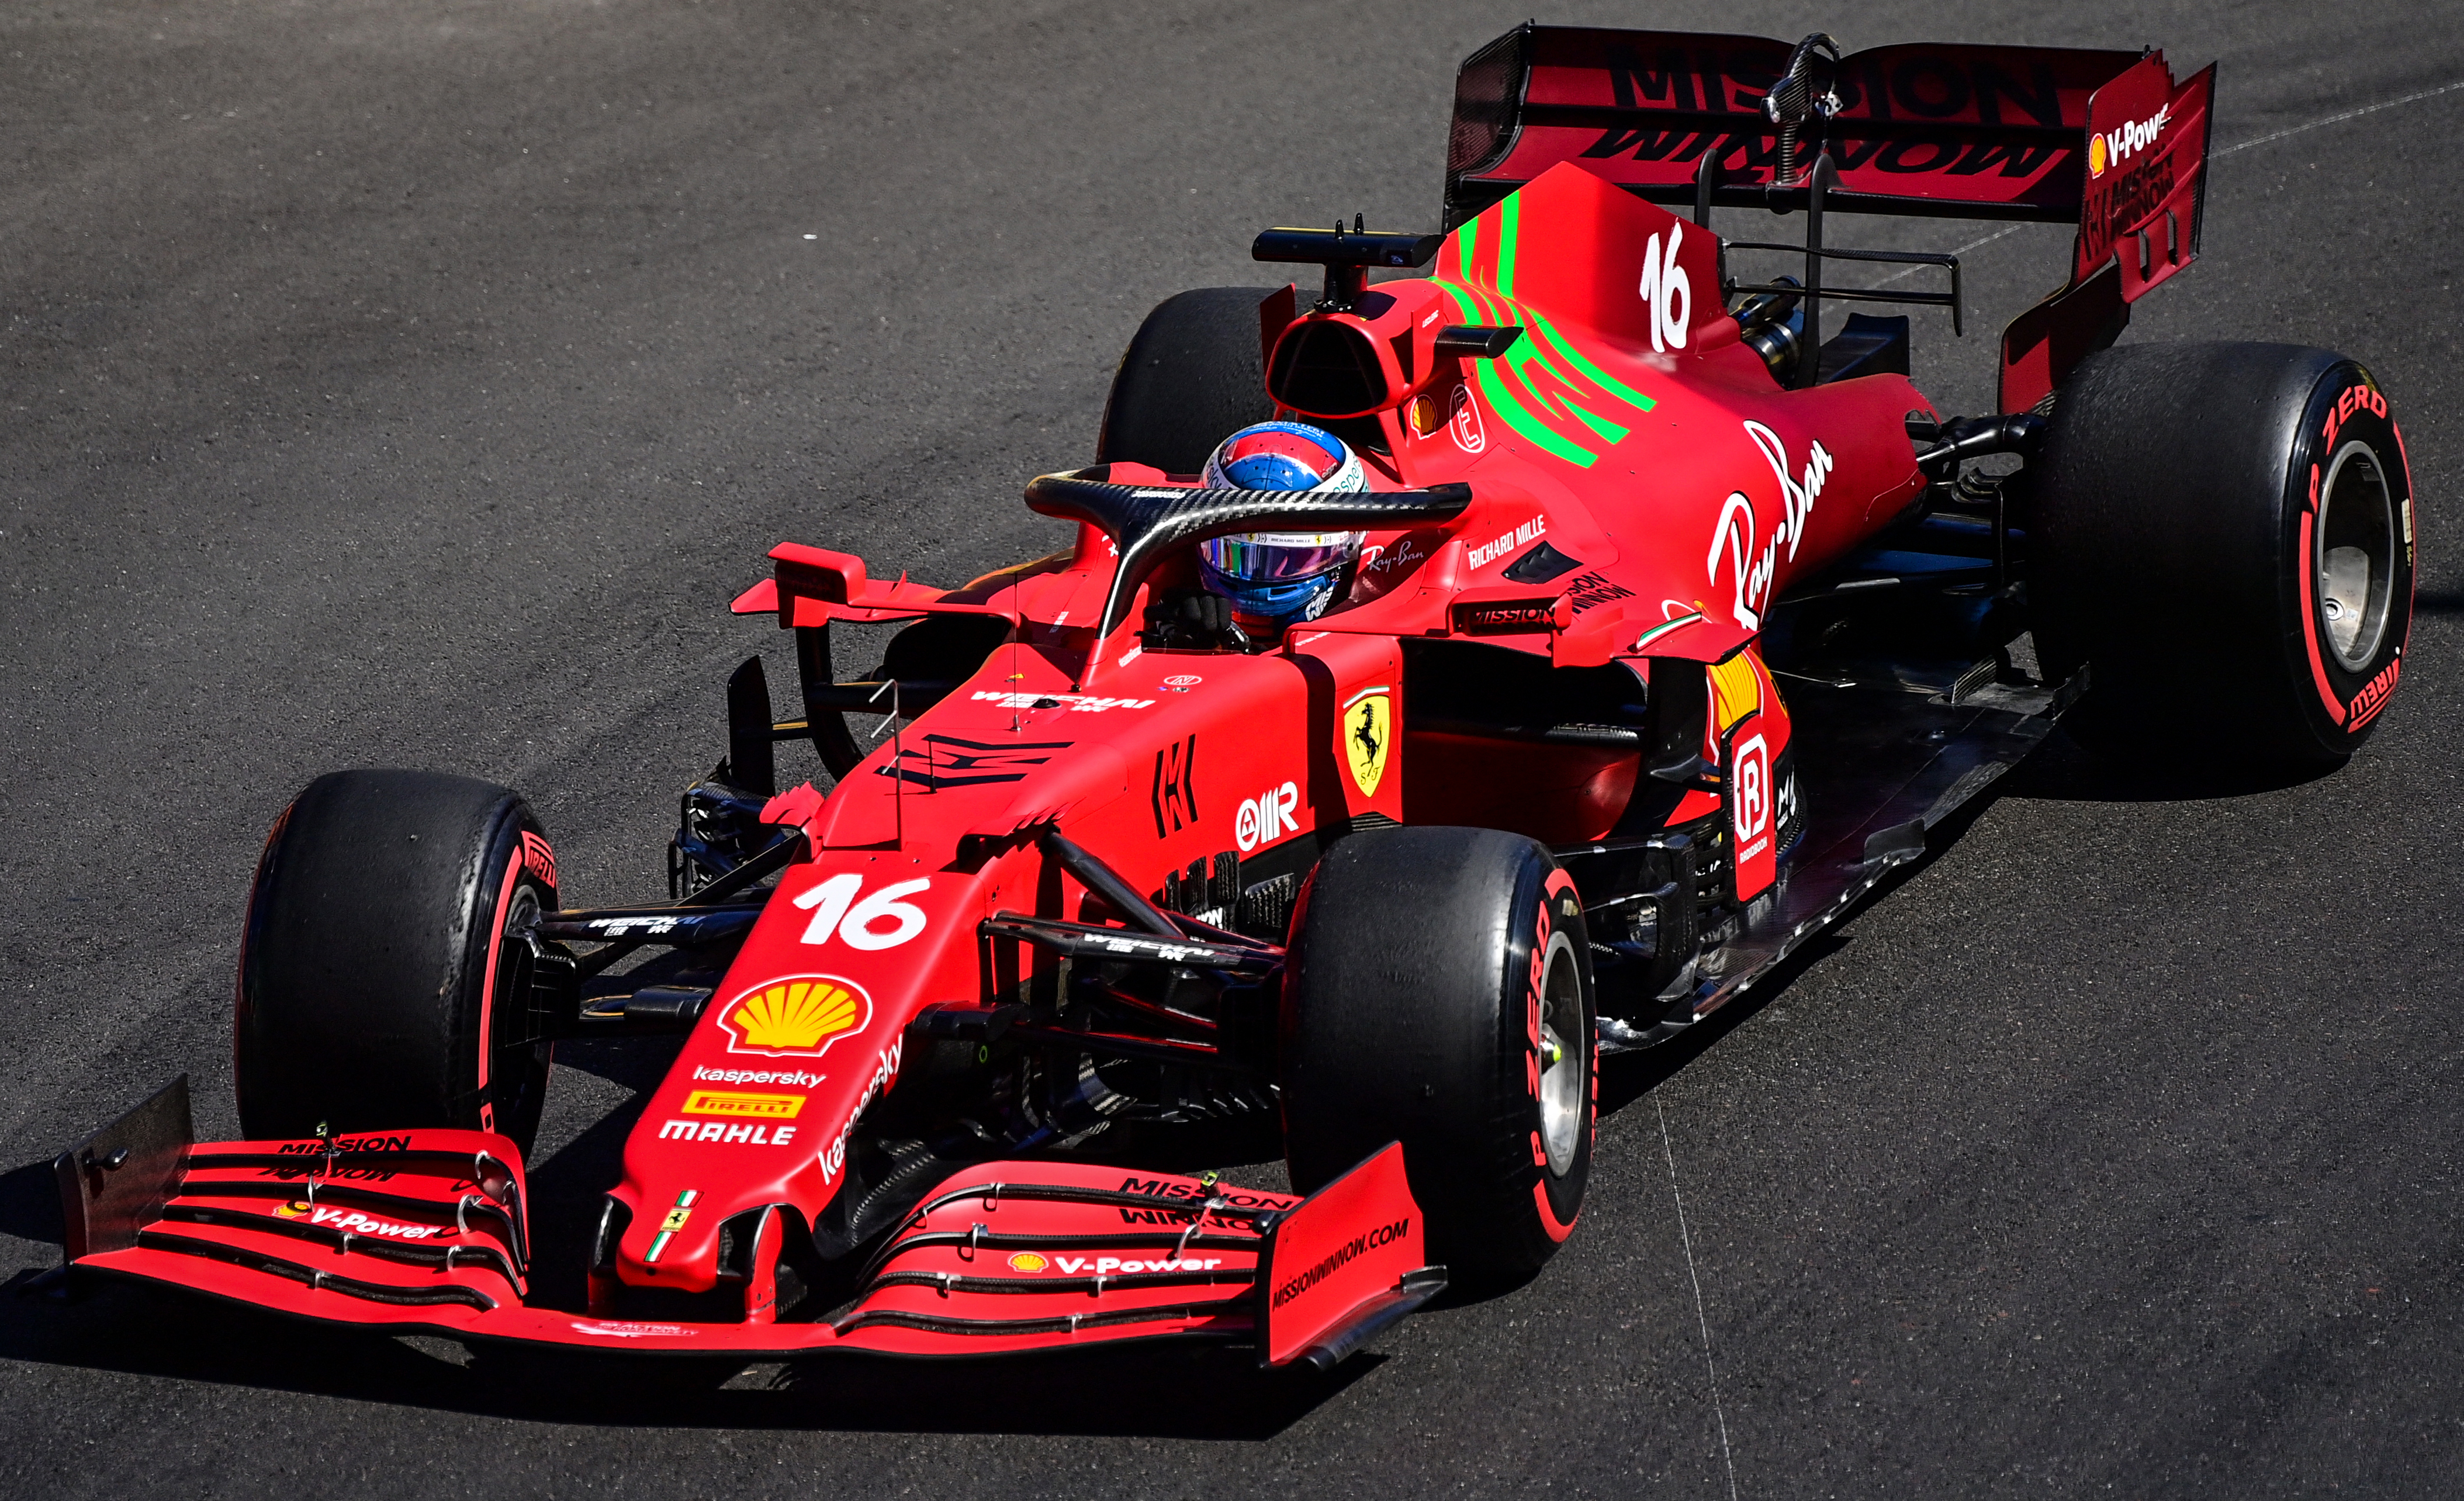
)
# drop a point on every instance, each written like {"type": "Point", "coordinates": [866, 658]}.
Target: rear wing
{"type": "Point", "coordinates": [2104, 140]}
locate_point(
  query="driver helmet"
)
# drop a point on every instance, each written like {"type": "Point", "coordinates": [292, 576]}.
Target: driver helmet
{"type": "Point", "coordinates": [1277, 579]}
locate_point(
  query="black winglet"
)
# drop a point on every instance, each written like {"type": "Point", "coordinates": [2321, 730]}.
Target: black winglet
{"type": "Point", "coordinates": [1346, 257]}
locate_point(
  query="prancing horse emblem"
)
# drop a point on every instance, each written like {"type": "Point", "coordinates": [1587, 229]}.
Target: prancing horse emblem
{"type": "Point", "coordinates": [1368, 734]}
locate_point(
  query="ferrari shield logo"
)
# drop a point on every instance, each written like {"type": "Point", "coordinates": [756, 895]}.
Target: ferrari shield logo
{"type": "Point", "coordinates": [1368, 734]}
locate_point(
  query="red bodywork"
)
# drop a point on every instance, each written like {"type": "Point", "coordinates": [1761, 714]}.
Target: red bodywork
{"type": "Point", "coordinates": [1726, 490]}
{"type": "Point", "coordinates": [1628, 431]}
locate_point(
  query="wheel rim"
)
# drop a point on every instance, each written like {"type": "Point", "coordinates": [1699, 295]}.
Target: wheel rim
{"type": "Point", "coordinates": [2354, 549]}
{"type": "Point", "coordinates": [1563, 1049]}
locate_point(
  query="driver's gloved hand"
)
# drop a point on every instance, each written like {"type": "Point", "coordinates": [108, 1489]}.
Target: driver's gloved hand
{"type": "Point", "coordinates": [1192, 620]}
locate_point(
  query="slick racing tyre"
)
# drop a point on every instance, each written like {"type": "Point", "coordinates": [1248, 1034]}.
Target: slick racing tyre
{"type": "Point", "coordinates": [1193, 375]}
{"type": "Point", "coordinates": [1441, 996]}
{"type": "Point", "coordinates": [2224, 533]}
{"type": "Point", "coordinates": [378, 986]}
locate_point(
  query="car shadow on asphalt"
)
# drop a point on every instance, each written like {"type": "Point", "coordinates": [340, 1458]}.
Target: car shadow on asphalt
{"type": "Point", "coordinates": [2062, 770]}
{"type": "Point", "coordinates": [1625, 1079]}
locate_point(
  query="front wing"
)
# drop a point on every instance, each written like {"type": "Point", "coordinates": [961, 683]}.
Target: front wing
{"type": "Point", "coordinates": [426, 1231]}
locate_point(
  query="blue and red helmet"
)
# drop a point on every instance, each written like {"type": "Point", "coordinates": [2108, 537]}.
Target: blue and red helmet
{"type": "Point", "coordinates": [1277, 579]}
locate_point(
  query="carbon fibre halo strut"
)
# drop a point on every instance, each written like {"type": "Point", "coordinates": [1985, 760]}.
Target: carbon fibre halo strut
{"type": "Point", "coordinates": [1147, 521]}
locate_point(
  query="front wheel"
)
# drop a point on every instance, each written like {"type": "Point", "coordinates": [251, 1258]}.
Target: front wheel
{"type": "Point", "coordinates": [1193, 375]}
{"type": "Point", "coordinates": [381, 972]}
{"type": "Point", "coordinates": [1441, 995]}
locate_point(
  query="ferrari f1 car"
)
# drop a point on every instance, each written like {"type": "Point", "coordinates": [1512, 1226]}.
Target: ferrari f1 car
{"type": "Point", "coordinates": [1682, 617]}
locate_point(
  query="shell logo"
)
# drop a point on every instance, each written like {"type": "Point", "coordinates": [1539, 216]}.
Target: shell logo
{"type": "Point", "coordinates": [2096, 156]}
{"type": "Point", "coordinates": [1027, 1261]}
{"type": "Point", "coordinates": [295, 1209]}
{"type": "Point", "coordinates": [799, 1015]}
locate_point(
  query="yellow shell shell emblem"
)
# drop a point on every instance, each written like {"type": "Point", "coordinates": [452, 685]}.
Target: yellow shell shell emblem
{"type": "Point", "coordinates": [1368, 738]}
{"type": "Point", "coordinates": [802, 1015]}
{"type": "Point", "coordinates": [1027, 1261]}
{"type": "Point", "coordinates": [2096, 156]}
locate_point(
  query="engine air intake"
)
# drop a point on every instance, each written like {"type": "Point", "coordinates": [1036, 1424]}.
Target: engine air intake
{"type": "Point", "coordinates": [1323, 368]}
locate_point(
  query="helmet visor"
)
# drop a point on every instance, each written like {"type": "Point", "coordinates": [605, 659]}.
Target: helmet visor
{"type": "Point", "coordinates": [1269, 557]}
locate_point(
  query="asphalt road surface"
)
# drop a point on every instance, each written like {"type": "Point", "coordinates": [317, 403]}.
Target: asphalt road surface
{"type": "Point", "coordinates": [414, 383]}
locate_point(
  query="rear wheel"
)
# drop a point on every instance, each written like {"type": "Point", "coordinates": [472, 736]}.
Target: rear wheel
{"type": "Point", "coordinates": [1441, 996]}
{"type": "Point", "coordinates": [1192, 374]}
{"type": "Point", "coordinates": [2224, 533]}
{"type": "Point", "coordinates": [380, 972]}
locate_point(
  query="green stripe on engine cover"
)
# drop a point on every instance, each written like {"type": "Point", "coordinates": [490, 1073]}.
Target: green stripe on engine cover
{"type": "Point", "coordinates": [1583, 362]}
{"type": "Point", "coordinates": [1509, 215]}
{"type": "Point", "coordinates": [1502, 401]}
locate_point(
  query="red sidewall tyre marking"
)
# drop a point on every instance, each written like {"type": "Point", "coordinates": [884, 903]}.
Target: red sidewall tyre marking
{"type": "Point", "coordinates": [488, 988]}
{"type": "Point", "coordinates": [1557, 885]}
{"type": "Point", "coordinates": [1558, 1229]}
{"type": "Point", "coordinates": [2309, 525]}
{"type": "Point", "coordinates": [2350, 410]}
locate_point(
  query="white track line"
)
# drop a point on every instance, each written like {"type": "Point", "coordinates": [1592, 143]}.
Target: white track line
{"type": "Point", "coordinates": [1962, 251]}
{"type": "Point", "coordinates": [1686, 1237]}
{"type": "Point", "coordinates": [2350, 113]}
{"type": "Point", "coordinates": [2292, 130]}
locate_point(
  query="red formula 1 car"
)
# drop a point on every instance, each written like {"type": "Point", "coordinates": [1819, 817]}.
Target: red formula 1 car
{"type": "Point", "coordinates": [1680, 618]}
